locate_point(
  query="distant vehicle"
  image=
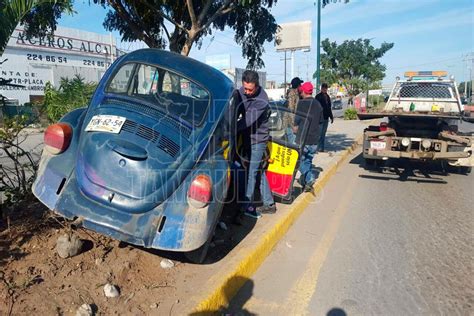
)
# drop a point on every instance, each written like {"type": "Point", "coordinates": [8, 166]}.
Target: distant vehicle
{"type": "Point", "coordinates": [423, 113]}
{"type": "Point", "coordinates": [148, 161]}
{"type": "Point", "coordinates": [337, 104]}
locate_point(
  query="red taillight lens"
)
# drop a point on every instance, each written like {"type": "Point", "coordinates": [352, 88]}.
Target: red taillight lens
{"type": "Point", "coordinates": [57, 138]}
{"type": "Point", "coordinates": [200, 191]}
{"type": "Point", "coordinates": [383, 126]}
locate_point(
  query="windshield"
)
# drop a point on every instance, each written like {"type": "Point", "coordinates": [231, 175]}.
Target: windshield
{"type": "Point", "coordinates": [431, 90]}
{"type": "Point", "coordinates": [175, 94]}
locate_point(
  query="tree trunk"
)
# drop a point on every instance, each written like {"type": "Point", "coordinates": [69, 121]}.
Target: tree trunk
{"type": "Point", "coordinates": [186, 48]}
{"type": "Point", "coordinates": [188, 44]}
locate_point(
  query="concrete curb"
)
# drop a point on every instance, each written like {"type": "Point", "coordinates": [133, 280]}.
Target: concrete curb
{"type": "Point", "coordinates": [230, 284]}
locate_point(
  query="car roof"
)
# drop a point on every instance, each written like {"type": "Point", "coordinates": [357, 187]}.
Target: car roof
{"type": "Point", "coordinates": [214, 80]}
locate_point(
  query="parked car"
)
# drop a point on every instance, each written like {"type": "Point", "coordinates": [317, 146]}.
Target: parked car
{"type": "Point", "coordinates": [147, 162]}
{"type": "Point", "coordinates": [337, 104]}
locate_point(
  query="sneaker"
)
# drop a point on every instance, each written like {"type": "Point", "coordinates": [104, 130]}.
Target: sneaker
{"type": "Point", "coordinates": [309, 187]}
{"type": "Point", "coordinates": [252, 213]}
{"type": "Point", "coordinates": [267, 209]}
{"type": "Point", "coordinates": [300, 181]}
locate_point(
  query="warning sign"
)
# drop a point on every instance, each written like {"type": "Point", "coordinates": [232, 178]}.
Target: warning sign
{"type": "Point", "coordinates": [282, 166]}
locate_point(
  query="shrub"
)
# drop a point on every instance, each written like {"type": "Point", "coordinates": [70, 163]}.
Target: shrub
{"type": "Point", "coordinates": [350, 114]}
{"type": "Point", "coordinates": [72, 94]}
{"type": "Point", "coordinates": [19, 163]}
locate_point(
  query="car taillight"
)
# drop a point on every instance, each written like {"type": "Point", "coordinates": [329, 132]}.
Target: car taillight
{"type": "Point", "coordinates": [57, 138]}
{"type": "Point", "coordinates": [383, 126]}
{"type": "Point", "coordinates": [200, 191]}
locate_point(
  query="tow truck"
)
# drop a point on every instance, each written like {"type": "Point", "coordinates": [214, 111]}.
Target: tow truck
{"type": "Point", "coordinates": [421, 121]}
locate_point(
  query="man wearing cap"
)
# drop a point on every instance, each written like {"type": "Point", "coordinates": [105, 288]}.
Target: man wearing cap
{"type": "Point", "coordinates": [254, 121]}
{"type": "Point", "coordinates": [293, 97]}
{"type": "Point", "coordinates": [313, 110]}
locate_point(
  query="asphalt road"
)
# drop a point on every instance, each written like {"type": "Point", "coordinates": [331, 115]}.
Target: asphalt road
{"type": "Point", "coordinates": [397, 241]}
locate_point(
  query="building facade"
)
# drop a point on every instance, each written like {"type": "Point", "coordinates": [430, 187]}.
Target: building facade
{"type": "Point", "coordinates": [34, 62]}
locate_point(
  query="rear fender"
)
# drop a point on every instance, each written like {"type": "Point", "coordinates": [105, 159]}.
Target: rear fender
{"type": "Point", "coordinates": [187, 228]}
{"type": "Point", "coordinates": [54, 170]}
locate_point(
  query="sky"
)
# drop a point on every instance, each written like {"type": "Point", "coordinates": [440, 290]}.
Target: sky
{"type": "Point", "coordinates": [428, 34]}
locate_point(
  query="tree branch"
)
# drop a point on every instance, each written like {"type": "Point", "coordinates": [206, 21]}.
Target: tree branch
{"type": "Point", "coordinates": [136, 29]}
{"type": "Point", "coordinates": [192, 14]}
{"type": "Point", "coordinates": [166, 31]}
{"type": "Point", "coordinates": [204, 11]}
{"type": "Point", "coordinates": [164, 16]}
{"type": "Point", "coordinates": [227, 7]}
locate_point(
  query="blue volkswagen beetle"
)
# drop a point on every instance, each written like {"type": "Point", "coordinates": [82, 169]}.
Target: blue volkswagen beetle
{"type": "Point", "coordinates": [148, 161]}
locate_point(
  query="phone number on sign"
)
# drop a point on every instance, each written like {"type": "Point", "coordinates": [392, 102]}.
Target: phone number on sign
{"type": "Point", "coordinates": [47, 58]}
{"type": "Point", "coordinates": [88, 62]}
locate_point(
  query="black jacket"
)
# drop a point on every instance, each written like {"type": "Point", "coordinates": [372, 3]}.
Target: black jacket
{"type": "Point", "coordinates": [311, 108]}
{"type": "Point", "coordinates": [325, 101]}
{"type": "Point", "coordinates": [256, 111]}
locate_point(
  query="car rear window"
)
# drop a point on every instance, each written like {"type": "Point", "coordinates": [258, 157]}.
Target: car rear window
{"type": "Point", "coordinates": [425, 90]}
{"type": "Point", "coordinates": [177, 95]}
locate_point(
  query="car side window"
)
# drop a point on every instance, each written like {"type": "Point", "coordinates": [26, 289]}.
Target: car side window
{"type": "Point", "coordinates": [120, 82]}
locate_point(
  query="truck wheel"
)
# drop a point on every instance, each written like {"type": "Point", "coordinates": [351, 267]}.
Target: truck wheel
{"type": "Point", "coordinates": [459, 170]}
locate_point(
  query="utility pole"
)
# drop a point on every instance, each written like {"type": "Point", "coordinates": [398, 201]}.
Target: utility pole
{"type": "Point", "coordinates": [292, 63]}
{"type": "Point", "coordinates": [318, 48]}
{"type": "Point", "coordinates": [285, 59]}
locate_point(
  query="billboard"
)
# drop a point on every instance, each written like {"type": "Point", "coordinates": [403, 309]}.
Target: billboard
{"type": "Point", "coordinates": [293, 36]}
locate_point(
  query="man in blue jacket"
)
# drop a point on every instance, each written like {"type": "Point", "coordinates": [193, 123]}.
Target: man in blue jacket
{"type": "Point", "coordinates": [254, 122]}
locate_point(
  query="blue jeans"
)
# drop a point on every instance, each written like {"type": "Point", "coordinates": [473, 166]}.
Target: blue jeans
{"type": "Point", "coordinates": [324, 128]}
{"type": "Point", "coordinates": [254, 169]}
{"type": "Point", "coordinates": [290, 135]}
{"type": "Point", "coordinates": [308, 175]}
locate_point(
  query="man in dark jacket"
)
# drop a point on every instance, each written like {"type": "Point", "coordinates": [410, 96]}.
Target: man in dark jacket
{"type": "Point", "coordinates": [254, 121]}
{"type": "Point", "coordinates": [325, 101]}
{"type": "Point", "coordinates": [313, 110]}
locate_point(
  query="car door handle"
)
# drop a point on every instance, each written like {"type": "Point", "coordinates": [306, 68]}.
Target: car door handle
{"type": "Point", "coordinates": [129, 150]}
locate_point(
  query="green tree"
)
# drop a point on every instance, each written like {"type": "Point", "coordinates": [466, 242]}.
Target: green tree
{"type": "Point", "coordinates": [354, 64]}
{"type": "Point", "coordinates": [38, 16]}
{"type": "Point", "coordinates": [462, 85]}
{"type": "Point", "coordinates": [180, 24]}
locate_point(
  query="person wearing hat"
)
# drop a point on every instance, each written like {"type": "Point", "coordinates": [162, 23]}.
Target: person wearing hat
{"type": "Point", "coordinates": [293, 97]}
{"type": "Point", "coordinates": [313, 110]}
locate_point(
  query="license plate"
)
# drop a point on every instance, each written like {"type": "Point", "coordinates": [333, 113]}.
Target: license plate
{"type": "Point", "coordinates": [105, 123]}
{"type": "Point", "coordinates": [377, 145]}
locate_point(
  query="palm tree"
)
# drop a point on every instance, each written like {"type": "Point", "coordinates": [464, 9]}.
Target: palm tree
{"type": "Point", "coordinates": [13, 11]}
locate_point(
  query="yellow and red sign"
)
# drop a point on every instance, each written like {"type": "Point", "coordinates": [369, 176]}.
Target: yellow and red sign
{"type": "Point", "coordinates": [282, 166]}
